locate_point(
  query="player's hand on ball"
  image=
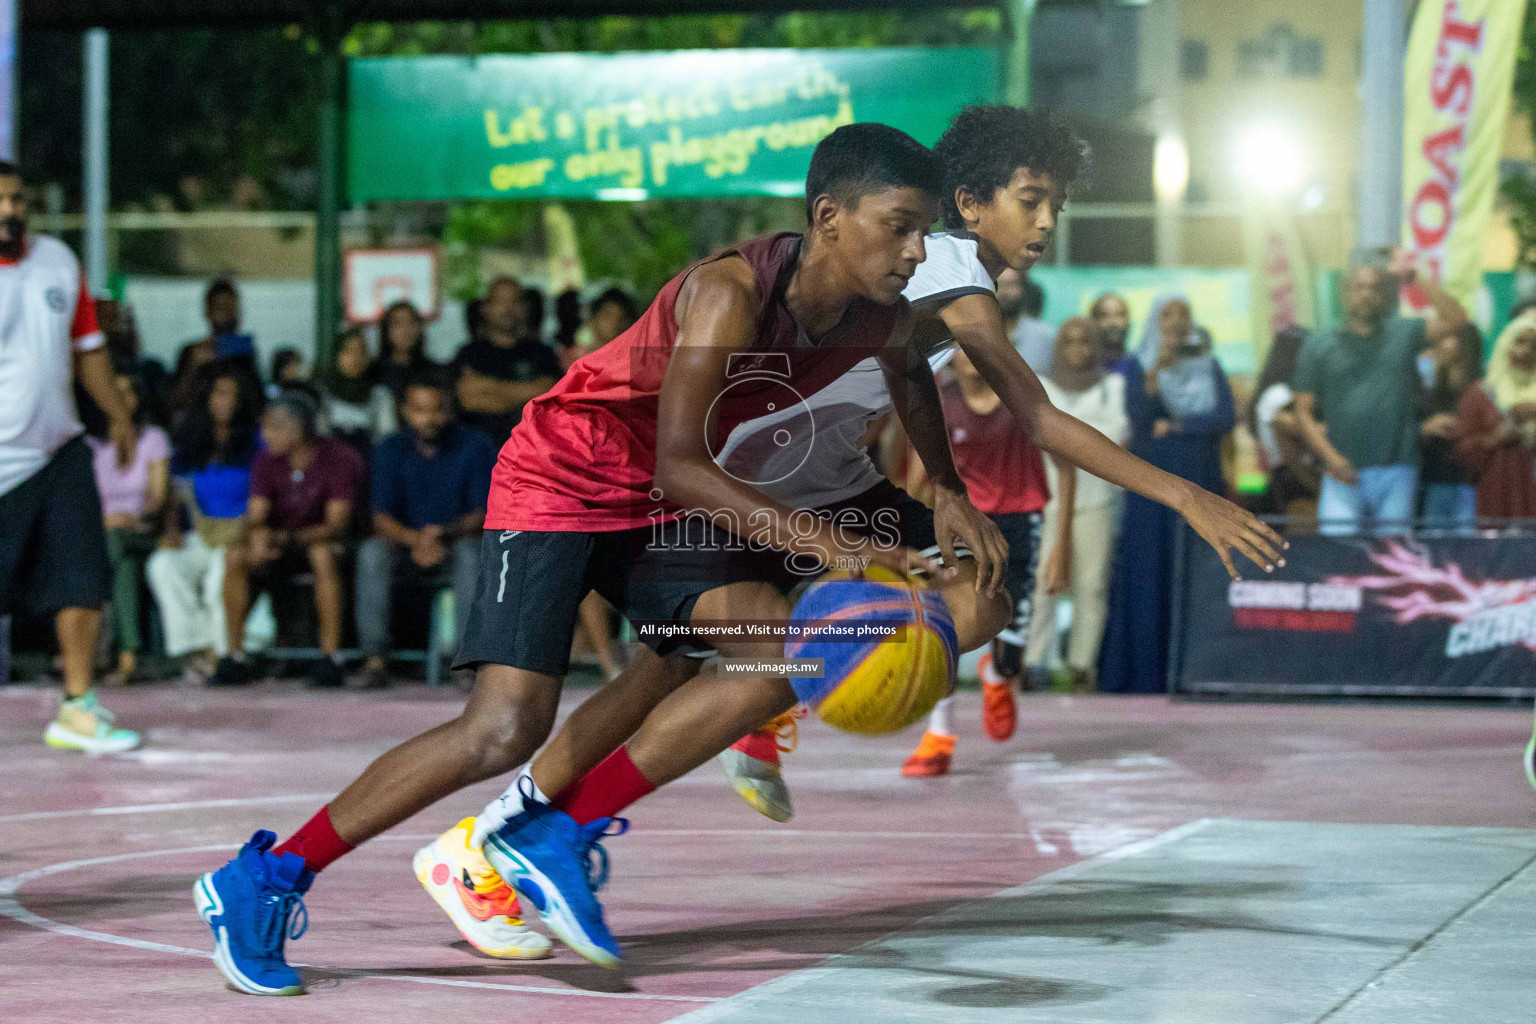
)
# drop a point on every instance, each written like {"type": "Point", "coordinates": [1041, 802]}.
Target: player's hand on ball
{"type": "Point", "coordinates": [1226, 528]}
{"type": "Point", "coordinates": [905, 560]}
{"type": "Point", "coordinates": [955, 518]}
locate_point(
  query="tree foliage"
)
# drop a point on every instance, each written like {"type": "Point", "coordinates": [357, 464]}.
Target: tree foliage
{"type": "Point", "coordinates": [1519, 192]}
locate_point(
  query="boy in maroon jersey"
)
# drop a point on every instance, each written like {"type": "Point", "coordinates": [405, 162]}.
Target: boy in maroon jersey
{"type": "Point", "coordinates": [621, 443]}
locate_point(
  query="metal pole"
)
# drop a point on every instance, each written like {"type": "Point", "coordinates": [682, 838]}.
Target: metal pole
{"type": "Point", "coordinates": [8, 22]}
{"type": "Point", "coordinates": [1016, 81]}
{"type": "Point", "coordinates": [1383, 45]}
{"type": "Point", "coordinates": [95, 162]}
{"type": "Point", "coordinates": [327, 213]}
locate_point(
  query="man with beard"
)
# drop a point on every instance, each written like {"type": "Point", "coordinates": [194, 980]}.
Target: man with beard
{"type": "Point", "coordinates": [53, 545]}
{"type": "Point", "coordinates": [1112, 316]}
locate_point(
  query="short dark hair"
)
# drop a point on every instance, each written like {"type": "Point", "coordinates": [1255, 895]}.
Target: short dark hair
{"type": "Point", "coordinates": [220, 286]}
{"type": "Point", "coordinates": [1031, 299]}
{"type": "Point", "coordinates": [616, 297]}
{"type": "Point", "coordinates": [435, 377]}
{"type": "Point", "coordinates": [985, 145]}
{"type": "Point", "coordinates": [858, 160]}
{"type": "Point", "coordinates": [8, 169]}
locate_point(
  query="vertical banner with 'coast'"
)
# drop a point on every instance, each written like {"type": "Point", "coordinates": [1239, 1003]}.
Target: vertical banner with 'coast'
{"type": "Point", "coordinates": [1457, 81]}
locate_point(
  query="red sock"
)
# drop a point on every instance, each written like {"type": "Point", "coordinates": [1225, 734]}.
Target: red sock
{"type": "Point", "coordinates": [605, 790]}
{"type": "Point", "coordinates": [317, 842]}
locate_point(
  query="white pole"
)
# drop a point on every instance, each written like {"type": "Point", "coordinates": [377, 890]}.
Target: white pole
{"type": "Point", "coordinates": [96, 160]}
{"type": "Point", "coordinates": [1383, 46]}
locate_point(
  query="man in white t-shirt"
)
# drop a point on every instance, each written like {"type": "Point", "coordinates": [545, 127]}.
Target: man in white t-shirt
{"type": "Point", "coordinates": [53, 550]}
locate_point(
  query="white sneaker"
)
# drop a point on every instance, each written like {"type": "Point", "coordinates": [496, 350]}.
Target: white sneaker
{"type": "Point", "coordinates": [85, 725]}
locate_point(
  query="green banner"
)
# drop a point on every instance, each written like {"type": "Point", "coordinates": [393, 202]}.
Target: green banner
{"type": "Point", "coordinates": [684, 123]}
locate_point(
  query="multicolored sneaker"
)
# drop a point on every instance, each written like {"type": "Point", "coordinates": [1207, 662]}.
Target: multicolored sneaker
{"type": "Point", "coordinates": [253, 904]}
{"type": "Point", "coordinates": [752, 765]}
{"type": "Point", "coordinates": [481, 906]}
{"type": "Point", "coordinates": [999, 715]}
{"type": "Point", "coordinates": [931, 757]}
{"type": "Point", "coordinates": [549, 860]}
{"type": "Point", "coordinates": [85, 725]}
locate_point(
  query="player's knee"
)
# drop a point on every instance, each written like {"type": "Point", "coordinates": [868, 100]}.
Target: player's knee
{"type": "Point", "coordinates": [504, 725]}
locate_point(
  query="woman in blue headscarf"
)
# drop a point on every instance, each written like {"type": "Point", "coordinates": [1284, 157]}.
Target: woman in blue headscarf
{"type": "Point", "coordinates": [1180, 407]}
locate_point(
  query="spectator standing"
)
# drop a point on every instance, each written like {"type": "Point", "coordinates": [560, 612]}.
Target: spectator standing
{"type": "Point", "coordinates": [132, 499]}
{"type": "Point", "coordinates": [53, 548]}
{"type": "Point", "coordinates": [500, 372]}
{"type": "Point", "coordinates": [1357, 398]}
{"type": "Point", "coordinates": [1033, 337]}
{"type": "Point", "coordinates": [211, 456]}
{"type": "Point", "coordinates": [568, 323]}
{"type": "Point", "coordinates": [221, 308]}
{"type": "Point", "coordinates": [430, 483]}
{"type": "Point", "coordinates": [1293, 476]}
{"type": "Point", "coordinates": [356, 409]}
{"type": "Point", "coordinates": [1111, 314]}
{"type": "Point", "coordinates": [1496, 425]}
{"type": "Point", "coordinates": [1180, 407]}
{"type": "Point", "coordinates": [402, 348]}
{"type": "Point", "coordinates": [1449, 500]}
{"type": "Point", "coordinates": [303, 490]}
{"type": "Point", "coordinates": [1079, 385]}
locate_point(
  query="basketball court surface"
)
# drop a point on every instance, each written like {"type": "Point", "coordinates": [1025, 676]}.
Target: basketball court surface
{"type": "Point", "coordinates": [1120, 861]}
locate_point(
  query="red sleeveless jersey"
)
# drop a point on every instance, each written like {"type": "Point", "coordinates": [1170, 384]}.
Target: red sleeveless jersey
{"type": "Point", "coordinates": [583, 458]}
{"type": "Point", "coordinates": [1002, 468]}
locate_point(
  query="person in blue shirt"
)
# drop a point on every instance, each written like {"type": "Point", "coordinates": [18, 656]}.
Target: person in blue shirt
{"type": "Point", "coordinates": [430, 482]}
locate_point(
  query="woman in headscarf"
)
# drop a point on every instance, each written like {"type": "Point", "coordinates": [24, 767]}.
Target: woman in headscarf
{"type": "Point", "coordinates": [1496, 425]}
{"type": "Point", "coordinates": [357, 409]}
{"type": "Point", "coordinates": [1079, 385]}
{"type": "Point", "coordinates": [1180, 407]}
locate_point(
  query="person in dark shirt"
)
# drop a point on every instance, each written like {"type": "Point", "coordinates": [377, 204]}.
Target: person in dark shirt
{"type": "Point", "coordinates": [303, 488]}
{"type": "Point", "coordinates": [498, 373]}
{"type": "Point", "coordinates": [221, 308]}
{"type": "Point", "coordinates": [430, 483]}
{"type": "Point", "coordinates": [402, 348]}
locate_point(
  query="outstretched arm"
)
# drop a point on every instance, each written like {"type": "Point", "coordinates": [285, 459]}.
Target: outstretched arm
{"type": "Point", "coordinates": [977, 327]}
{"type": "Point", "coordinates": [717, 315]}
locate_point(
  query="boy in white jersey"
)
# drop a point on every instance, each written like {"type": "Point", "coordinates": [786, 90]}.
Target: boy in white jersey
{"type": "Point", "coordinates": [1007, 174]}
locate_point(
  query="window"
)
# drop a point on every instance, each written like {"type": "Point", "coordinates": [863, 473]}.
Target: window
{"type": "Point", "coordinates": [1194, 60]}
{"type": "Point", "coordinates": [1280, 53]}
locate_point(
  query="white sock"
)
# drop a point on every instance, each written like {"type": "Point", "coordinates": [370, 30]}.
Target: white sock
{"type": "Point", "coordinates": [939, 721]}
{"type": "Point", "coordinates": [505, 807]}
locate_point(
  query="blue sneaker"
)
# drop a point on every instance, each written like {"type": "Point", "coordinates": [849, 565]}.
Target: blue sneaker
{"type": "Point", "coordinates": [250, 904]}
{"type": "Point", "coordinates": [557, 866]}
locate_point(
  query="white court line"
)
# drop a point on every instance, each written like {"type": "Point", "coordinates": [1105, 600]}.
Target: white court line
{"type": "Point", "coordinates": [10, 907]}
{"type": "Point", "coordinates": [189, 805]}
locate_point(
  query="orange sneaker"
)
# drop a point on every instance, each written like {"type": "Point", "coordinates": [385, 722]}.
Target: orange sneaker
{"type": "Point", "coordinates": [999, 716]}
{"type": "Point", "coordinates": [482, 906]}
{"type": "Point", "coordinates": [930, 758]}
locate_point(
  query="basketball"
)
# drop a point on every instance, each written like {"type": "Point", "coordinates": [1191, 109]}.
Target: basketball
{"type": "Point", "coordinates": [877, 683]}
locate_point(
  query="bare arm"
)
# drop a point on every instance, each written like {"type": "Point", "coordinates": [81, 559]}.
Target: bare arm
{"type": "Point", "coordinates": [93, 370]}
{"type": "Point", "coordinates": [159, 487]}
{"type": "Point", "coordinates": [482, 394]}
{"type": "Point", "coordinates": [338, 512]}
{"type": "Point", "coordinates": [909, 377]}
{"type": "Point", "coordinates": [1448, 311]}
{"type": "Point", "coordinates": [1315, 436]}
{"type": "Point", "coordinates": [391, 529]}
{"type": "Point", "coordinates": [717, 314]}
{"type": "Point", "coordinates": [978, 329]}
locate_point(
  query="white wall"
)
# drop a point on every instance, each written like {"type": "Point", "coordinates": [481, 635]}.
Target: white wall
{"type": "Point", "coordinates": [277, 314]}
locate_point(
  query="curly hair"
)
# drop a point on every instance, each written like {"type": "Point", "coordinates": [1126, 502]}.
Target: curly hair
{"type": "Point", "coordinates": [985, 144]}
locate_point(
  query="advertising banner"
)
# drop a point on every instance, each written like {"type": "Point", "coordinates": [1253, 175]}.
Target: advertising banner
{"type": "Point", "coordinates": [1281, 274]}
{"type": "Point", "coordinates": [1448, 616]}
{"type": "Point", "coordinates": [682, 123]}
{"type": "Point", "coordinates": [1457, 78]}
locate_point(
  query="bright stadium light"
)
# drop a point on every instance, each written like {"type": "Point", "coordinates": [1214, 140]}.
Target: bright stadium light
{"type": "Point", "coordinates": [1269, 159]}
{"type": "Point", "coordinates": [1170, 168]}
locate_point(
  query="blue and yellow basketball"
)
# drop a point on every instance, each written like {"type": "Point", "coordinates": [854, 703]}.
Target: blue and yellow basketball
{"type": "Point", "coordinates": [873, 685]}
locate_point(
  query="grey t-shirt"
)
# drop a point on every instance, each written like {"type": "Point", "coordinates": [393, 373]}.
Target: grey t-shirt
{"type": "Point", "coordinates": [1365, 391]}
